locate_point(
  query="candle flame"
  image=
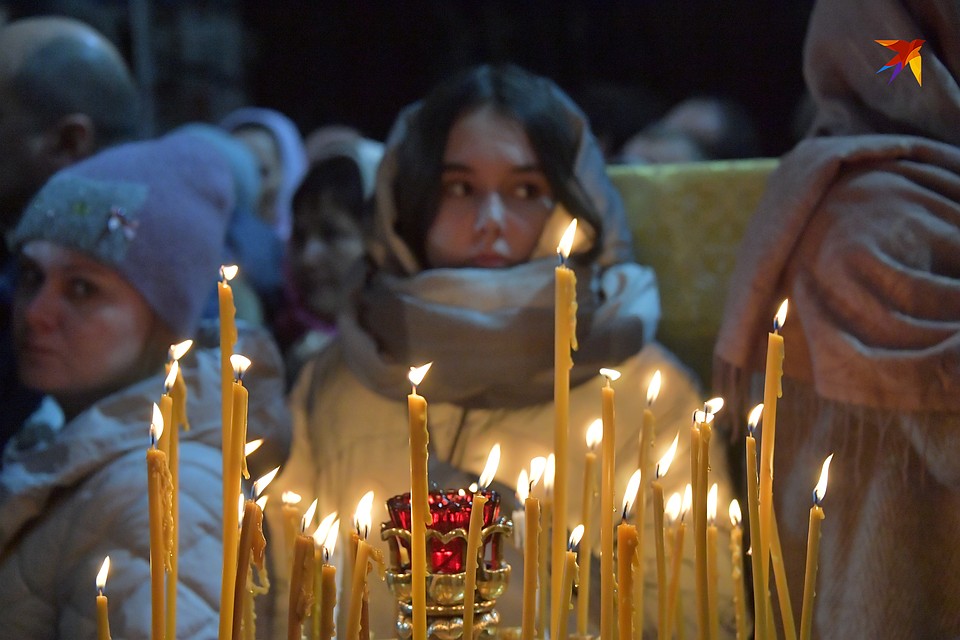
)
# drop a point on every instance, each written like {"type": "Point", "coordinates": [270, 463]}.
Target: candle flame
{"type": "Point", "coordinates": [687, 500]}
{"type": "Point", "coordinates": [180, 349]}
{"type": "Point", "coordinates": [612, 375]}
{"type": "Point", "coordinates": [262, 502]}
{"type": "Point", "coordinates": [537, 466]}
{"type": "Point", "coordinates": [594, 434]}
{"type": "Point", "coordinates": [156, 424]}
{"type": "Point", "coordinates": [781, 316]}
{"type": "Point", "coordinates": [252, 446]}
{"type": "Point", "coordinates": [736, 517]}
{"type": "Point", "coordinates": [308, 516]}
{"type": "Point", "coordinates": [228, 272]}
{"type": "Point", "coordinates": [575, 537]}
{"type": "Point", "coordinates": [523, 486]}
{"type": "Point", "coordinates": [821, 488]}
{"type": "Point", "coordinates": [323, 529]}
{"type": "Point", "coordinates": [653, 389]}
{"type": "Point", "coordinates": [633, 486]}
{"type": "Point", "coordinates": [754, 418]}
{"type": "Point", "coordinates": [290, 497]}
{"type": "Point", "coordinates": [549, 472]}
{"type": "Point", "coordinates": [673, 508]}
{"type": "Point", "coordinates": [260, 484]}
{"type": "Point", "coordinates": [417, 374]}
{"type": "Point", "coordinates": [102, 574]}
{"type": "Point", "coordinates": [362, 518]}
{"type": "Point", "coordinates": [240, 365]}
{"type": "Point", "coordinates": [330, 542]}
{"type": "Point", "coordinates": [171, 378]}
{"type": "Point", "coordinates": [566, 241]}
{"type": "Point", "coordinates": [664, 464]}
{"type": "Point", "coordinates": [712, 504]}
{"type": "Point", "coordinates": [710, 409]}
{"type": "Point", "coordinates": [473, 489]}
{"type": "Point", "coordinates": [490, 469]}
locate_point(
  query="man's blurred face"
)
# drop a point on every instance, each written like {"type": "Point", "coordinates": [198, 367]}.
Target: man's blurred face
{"type": "Point", "coordinates": [22, 170]}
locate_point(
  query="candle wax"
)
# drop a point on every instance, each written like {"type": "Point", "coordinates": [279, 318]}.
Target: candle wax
{"type": "Point", "coordinates": [608, 465]}
{"type": "Point", "coordinates": [627, 562]}
{"type": "Point", "coordinates": [810, 574]}
{"type": "Point", "coordinates": [473, 551]}
{"type": "Point", "coordinates": [531, 544]}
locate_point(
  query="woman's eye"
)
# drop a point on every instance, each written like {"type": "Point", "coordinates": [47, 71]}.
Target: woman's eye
{"type": "Point", "coordinates": [456, 189]}
{"type": "Point", "coordinates": [80, 289]}
{"type": "Point", "coordinates": [527, 191]}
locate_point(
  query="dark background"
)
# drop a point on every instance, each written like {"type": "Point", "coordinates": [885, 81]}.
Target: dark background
{"type": "Point", "coordinates": [359, 62]}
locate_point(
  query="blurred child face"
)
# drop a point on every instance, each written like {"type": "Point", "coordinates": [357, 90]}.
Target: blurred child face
{"type": "Point", "coordinates": [326, 246]}
{"type": "Point", "coordinates": [80, 330]}
{"type": "Point", "coordinates": [495, 199]}
{"type": "Point", "coordinates": [267, 152]}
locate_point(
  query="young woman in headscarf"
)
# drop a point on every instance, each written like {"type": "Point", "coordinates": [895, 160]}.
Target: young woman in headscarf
{"type": "Point", "coordinates": [117, 255]}
{"type": "Point", "coordinates": [467, 227]}
{"type": "Point", "coordinates": [859, 229]}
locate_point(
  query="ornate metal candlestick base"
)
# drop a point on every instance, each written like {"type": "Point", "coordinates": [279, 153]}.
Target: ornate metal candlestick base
{"type": "Point", "coordinates": [446, 581]}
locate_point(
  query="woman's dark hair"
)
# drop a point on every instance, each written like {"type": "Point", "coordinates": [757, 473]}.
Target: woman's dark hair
{"type": "Point", "coordinates": [337, 181]}
{"type": "Point", "coordinates": [533, 101]}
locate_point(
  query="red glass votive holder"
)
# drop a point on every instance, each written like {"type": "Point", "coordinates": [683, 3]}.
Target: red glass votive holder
{"type": "Point", "coordinates": [450, 510]}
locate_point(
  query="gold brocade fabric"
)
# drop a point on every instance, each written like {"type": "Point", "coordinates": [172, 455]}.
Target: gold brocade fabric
{"type": "Point", "coordinates": [687, 221]}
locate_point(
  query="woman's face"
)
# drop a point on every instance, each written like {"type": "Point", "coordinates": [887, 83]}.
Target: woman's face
{"type": "Point", "coordinates": [495, 199]}
{"type": "Point", "coordinates": [267, 152]}
{"type": "Point", "coordinates": [325, 248]}
{"type": "Point", "coordinates": [80, 330]}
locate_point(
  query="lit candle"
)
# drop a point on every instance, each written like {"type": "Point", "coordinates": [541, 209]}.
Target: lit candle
{"type": "Point", "coordinates": [103, 619]}
{"type": "Point", "coordinates": [233, 463]}
{"type": "Point", "coordinates": [607, 468]}
{"type": "Point", "coordinates": [546, 528]}
{"type": "Point", "coordinates": [228, 338]}
{"type": "Point", "coordinates": [565, 340]}
{"type": "Point", "coordinates": [657, 489]}
{"type": "Point", "coordinates": [420, 515]}
{"type": "Point", "coordinates": [179, 392]}
{"type": "Point", "coordinates": [647, 438]}
{"type": "Point", "coordinates": [813, 552]}
{"type": "Point", "coordinates": [365, 555]}
{"type": "Point", "coordinates": [160, 502]}
{"type": "Point", "coordinates": [255, 588]}
{"type": "Point", "coordinates": [760, 593]}
{"type": "Point", "coordinates": [301, 577]}
{"type": "Point", "coordinates": [627, 559]}
{"type": "Point", "coordinates": [531, 543]}
{"type": "Point", "coordinates": [251, 549]}
{"type": "Point", "coordinates": [171, 446]}
{"type": "Point", "coordinates": [736, 561]}
{"type": "Point", "coordinates": [675, 512]}
{"type": "Point", "coordinates": [291, 518]}
{"type": "Point", "coordinates": [474, 551]}
{"type": "Point", "coordinates": [712, 578]}
{"type": "Point", "coordinates": [702, 420]}
{"type": "Point", "coordinates": [570, 572]}
{"type": "Point", "coordinates": [772, 389]}
{"type": "Point", "coordinates": [594, 437]}
{"type": "Point", "coordinates": [328, 585]}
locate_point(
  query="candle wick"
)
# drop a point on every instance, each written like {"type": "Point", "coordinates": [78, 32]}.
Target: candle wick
{"type": "Point", "coordinates": [99, 591]}
{"type": "Point", "coordinates": [326, 555]}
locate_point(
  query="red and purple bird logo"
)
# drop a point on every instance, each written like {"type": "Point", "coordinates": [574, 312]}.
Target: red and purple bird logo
{"type": "Point", "coordinates": [908, 53]}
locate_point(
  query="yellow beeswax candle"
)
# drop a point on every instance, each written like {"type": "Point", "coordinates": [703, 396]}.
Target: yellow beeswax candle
{"type": "Point", "coordinates": [565, 340]}
{"type": "Point", "coordinates": [772, 389]}
{"type": "Point", "coordinates": [301, 585]}
{"type": "Point", "coordinates": [233, 459]}
{"type": "Point", "coordinates": [712, 577]}
{"type": "Point", "coordinates": [627, 561]}
{"type": "Point", "coordinates": [607, 468]}
{"type": "Point", "coordinates": [328, 528]}
{"type": "Point", "coordinates": [780, 575]}
{"type": "Point", "coordinates": [594, 437]}
{"type": "Point", "coordinates": [531, 543]}
{"type": "Point", "coordinates": [228, 338]}
{"type": "Point", "coordinates": [813, 553]}
{"type": "Point", "coordinates": [645, 464]}
{"type": "Point", "coordinates": [736, 563]}
{"type": "Point", "coordinates": [358, 592]}
{"type": "Point", "coordinates": [328, 592]}
{"type": "Point", "coordinates": [675, 512]}
{"type": "Point", "coordinates": [657, 490]}
{"type": "Point", "coordinates": [420, 515]}
{"type": "Point", "coordinates": [291, 519]}
{"type": "Point", "coordinates": [251, 549]}
{"type": "Point", "coordinates": [171, 446]}
{"type": "Point", "coordinates": [161, 524]}
{"type": "Point", "coordinates": [760, 593]}
{"type": "Point", "coordinates": [546, 528]}
{"type": "Point", "coordinates": [703, 420]}
{"type": "Point", "coordinates": [474, 550]}
{"type": "Point", "coordinates": [570, 572]}
{"type": "Point", "coordinates": [103, 618]}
